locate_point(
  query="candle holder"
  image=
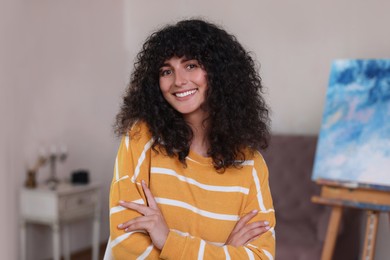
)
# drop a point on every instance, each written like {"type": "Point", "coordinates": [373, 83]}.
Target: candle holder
{"type": "Point", "coordinates": [53, 180]}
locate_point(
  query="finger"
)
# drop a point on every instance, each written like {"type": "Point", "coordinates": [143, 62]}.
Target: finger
{"type": "Point", "coordinates": [144, 210]}
{"type": "Point", "coordinates": [147, 223]}
{"type": "Point", "coordinates": [130, 222]}
{"type": "Point", "coordinates": [247, 229]}
{"type": "Point", "coordinates": [249, 232]}
{"type": "Point", "coordinates": [140, 225]}
{"type": "Point", "coordinates": [254, 234]}
{"type": "Point", "coordinates": [252, 239]}
{"type": "Point", "coordinates": [149, 196]}
{"type": "Point", "coordinates": [143, 225]}
{"type": "Point", "coordinates": [245, 219]}
{"type": "Point", "coordinates": [258, 225]}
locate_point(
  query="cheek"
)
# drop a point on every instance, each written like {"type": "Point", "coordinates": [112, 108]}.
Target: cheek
{"type": "Point", "coordinates": [202, 79]}
{"type": "Point", "coordinates": [164, 86]}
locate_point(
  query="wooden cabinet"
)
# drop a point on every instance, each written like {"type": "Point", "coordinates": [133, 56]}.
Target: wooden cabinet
{"type": "Point", "coordinates": [58, 208]}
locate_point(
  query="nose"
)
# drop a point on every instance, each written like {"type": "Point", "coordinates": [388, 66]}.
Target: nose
{"type": "Point", "coordinates": [180, 78]}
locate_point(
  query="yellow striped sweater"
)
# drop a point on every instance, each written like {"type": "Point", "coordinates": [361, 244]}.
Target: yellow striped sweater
{"type": "Point", "coordinates": [199, 205]}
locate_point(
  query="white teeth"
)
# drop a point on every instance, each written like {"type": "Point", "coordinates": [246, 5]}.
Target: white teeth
{"type": "Point", "coordinates": [184, 94]}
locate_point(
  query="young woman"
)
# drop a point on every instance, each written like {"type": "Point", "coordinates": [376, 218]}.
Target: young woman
{"type": "Point", "coordinates": [189, 182]}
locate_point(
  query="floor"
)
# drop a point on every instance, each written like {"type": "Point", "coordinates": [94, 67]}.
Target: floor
{"type": "Point", "coordinates": [87, 254]}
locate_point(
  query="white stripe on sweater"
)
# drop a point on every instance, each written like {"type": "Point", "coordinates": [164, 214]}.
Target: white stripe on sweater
{"type": "Point", "coordinates": [272, 230]}
{"type": "Point", "coordinates": [157, 170]}
{"type": "Point", "coordinates": [250, 254]}
{"type": "Point", "coordinates": [120, 238]}
{"type": "Point", "coordinates": [141, 159]}
{"type": "Point", "coordinates": [201, 250]}
{"type": "Point", "coordinates": [268, 254]}
{"type": "Point", "coordinates": [248, 162]}
{"type": "Point", "coordinates": [186, 234]}
{"type": "Point", "coordinates": [117, 209]}
{"type": "Point", "coordinates": [146, 253]}
{"type": "Point", "coordinates": [244, 163]}
{"type": "Point", "coordinates": [258, 189]}
{"type": "Point", "coordinates": [225, 249]}
{"type": "Point", "coordinates": [201, 212]}
{"type": "Point", "coordinates": [127, 141]}
{"type": "Point", "coordinates": [116, 169]}
{"type": "Point", "coordinates": [121, 178]}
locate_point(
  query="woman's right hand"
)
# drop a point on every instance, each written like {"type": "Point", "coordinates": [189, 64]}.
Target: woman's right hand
{"type": "Point", "coordinates": [243, 233]}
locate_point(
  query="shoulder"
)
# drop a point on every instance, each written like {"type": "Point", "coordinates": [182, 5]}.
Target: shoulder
{"type": "Point", "coordinates": [139, 131]}
{"type": "Point", "coordinates": [260, 166]}
{"type": "Point", "coordinates": [136, 138]}
{"type": "Point", "coordinates": [254, 156]}
{"type": "Point", "coordinates": [256, 159]}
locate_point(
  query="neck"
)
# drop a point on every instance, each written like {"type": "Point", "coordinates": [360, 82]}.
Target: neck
{"type": "Point", "coordinates": [199, 142]}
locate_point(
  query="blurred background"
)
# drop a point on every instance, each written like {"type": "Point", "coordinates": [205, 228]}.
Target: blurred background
{"type": "Point", "coordinates": [64, 66]}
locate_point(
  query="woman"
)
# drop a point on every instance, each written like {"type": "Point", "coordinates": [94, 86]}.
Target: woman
{"type": "Point", "coordinates": [189, 182]}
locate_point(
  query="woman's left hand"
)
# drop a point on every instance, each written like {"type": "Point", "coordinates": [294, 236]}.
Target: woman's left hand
{"type": "Point", "coordinates": [152, 220]}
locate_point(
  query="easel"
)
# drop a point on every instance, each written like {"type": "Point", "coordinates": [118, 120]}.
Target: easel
{"type": "Point", "coordinates": [371, 198]}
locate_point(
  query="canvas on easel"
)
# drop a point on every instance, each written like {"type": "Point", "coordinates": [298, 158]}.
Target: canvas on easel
{"type": "Point", "coordinates": [354, 140]}
{"type": "Point", "coordinates": [352, 160]}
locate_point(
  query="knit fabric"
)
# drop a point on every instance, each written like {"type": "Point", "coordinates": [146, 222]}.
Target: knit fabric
{"type": "Point", "coordinates": [200, 206]}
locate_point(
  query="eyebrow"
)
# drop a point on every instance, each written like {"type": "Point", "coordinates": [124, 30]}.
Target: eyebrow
{"type": "Point", "coordinates": [165, 65]}
{"type": "Point", "coordinates": [182, 61]}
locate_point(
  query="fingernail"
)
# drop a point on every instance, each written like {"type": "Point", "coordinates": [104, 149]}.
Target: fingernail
{"type": "Point", "coordinates": [267, 227]}
{"type": "Point", "coordinates": [120, 225]}
{"type": "Point", "coordinates": [121, 202]}
{"type": "Point", "coordinates": [143, 182]}
{"type": "Point", "coordinates": [266, 223]}
{"type": "Point", "coordinates": [254, 211]}
{"type": "Point", "coordinates": [126, 230]}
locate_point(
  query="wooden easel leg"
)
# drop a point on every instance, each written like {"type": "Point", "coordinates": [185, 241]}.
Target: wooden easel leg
{"type": "Point", "coordinates": [370, 237]}
{"type": "Point", "coordinates": [331, 233]}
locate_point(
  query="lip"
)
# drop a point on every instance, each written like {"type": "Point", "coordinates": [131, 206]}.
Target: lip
{"type": "Point", "coordinates": [185, 94]}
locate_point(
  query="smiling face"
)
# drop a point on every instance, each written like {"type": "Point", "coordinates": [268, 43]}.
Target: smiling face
{"type": "Point", "coordinates": [183, 83]}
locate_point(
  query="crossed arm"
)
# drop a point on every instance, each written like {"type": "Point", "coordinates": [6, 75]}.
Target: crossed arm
{"type": "Point", "coordinates": [152, 221]}
{"type": "Point", "coordinates": [139, 230]}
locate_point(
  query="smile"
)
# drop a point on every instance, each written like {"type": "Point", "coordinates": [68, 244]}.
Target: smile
{"type": "Point", "coordinates": [186, 93]}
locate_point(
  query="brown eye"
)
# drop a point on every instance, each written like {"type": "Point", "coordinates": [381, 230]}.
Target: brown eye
{"type": "Point", "coordinates": [191, 66]}
{"type": "Point", "coordinates": [166, 72]}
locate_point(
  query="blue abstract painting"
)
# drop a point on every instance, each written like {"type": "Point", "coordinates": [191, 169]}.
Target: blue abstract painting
{"type": "Point", "coordinates": [354, 140]}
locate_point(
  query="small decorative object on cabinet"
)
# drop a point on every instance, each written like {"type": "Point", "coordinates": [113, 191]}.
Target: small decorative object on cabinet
{"type": "Point", "coordinates": [58, 208]}
{"type": "Point", "coordinates": [55, 157]}
{"type": "Point", "coordinates": [31, 180]}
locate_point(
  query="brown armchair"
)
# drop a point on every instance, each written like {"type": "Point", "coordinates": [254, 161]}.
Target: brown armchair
{"type": "Point", "coordinates": [300, 224]}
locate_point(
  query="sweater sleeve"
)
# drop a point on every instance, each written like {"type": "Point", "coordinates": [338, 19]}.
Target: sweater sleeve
{"type": "Point", "coordinates": [183, 246]}
{"type": "Point", "coordinates": [131, 166]}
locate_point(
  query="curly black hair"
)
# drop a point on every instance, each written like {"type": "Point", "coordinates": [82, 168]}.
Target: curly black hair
{"type": "Point", "coordinates": [238, 117]}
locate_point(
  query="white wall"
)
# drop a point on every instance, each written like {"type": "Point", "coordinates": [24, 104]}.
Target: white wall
{"type": "Point", "coordinates": [8, 213]}
{"type": "Point", "coordinates": [64, 73]}
{"type": "Point", "coordinates": [294, 41]}
{"type": "Point", "coordinates": [65, 65]}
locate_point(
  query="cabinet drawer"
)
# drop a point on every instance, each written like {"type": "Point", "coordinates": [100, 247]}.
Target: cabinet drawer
{"type": "Point", "coordinates": [78, 201]}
